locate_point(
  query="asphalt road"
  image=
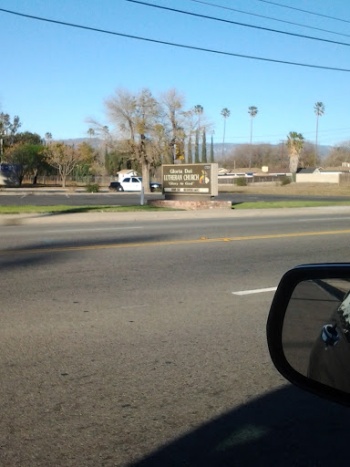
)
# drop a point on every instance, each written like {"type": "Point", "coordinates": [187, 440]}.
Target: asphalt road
{"type": "Point", "coordinates": [142, 343]}
{"type": "Point", "coordinates": [28, 197]}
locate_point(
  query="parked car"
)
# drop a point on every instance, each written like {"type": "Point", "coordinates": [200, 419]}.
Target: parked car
{"type": "Point", "coordinates": [308, 329]}
{"type": "Point", "coordinates": [133, 184]}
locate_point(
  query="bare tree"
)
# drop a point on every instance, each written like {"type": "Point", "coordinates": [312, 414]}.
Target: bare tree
{"type": "Point", "coordinates": [270, 155]}
{"type": "Point", "coordinates": [64, 158]}
{"type": "Point", "coordinates": [135, 117]}
{"type": "Point", "coordinates": [174, 117]}
{"type": "Point", "coordinates": [338, 155]}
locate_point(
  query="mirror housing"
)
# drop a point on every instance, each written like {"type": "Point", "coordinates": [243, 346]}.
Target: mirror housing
{"type": "Point", "coordinates": [285, 308]}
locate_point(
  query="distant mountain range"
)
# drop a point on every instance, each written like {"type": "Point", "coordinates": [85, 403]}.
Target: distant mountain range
{"type": "Point", "coordinates": [96, 143]}
{"type": "Point", "coordinates": [323, 150]}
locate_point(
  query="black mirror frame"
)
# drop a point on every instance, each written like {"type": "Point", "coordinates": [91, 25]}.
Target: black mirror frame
{"type": "Point", "coordinates": [275, 321]}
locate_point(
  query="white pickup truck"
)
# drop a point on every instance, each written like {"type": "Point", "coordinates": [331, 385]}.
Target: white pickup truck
{"type": "Point", "coordinates": [132, 184]}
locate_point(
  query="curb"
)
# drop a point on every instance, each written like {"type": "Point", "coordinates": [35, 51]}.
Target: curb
{"type": "Point", "coordinates": [137, 216]}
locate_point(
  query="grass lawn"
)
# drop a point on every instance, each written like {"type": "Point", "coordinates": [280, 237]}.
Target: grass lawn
{"type": "Point", "coordinates": [74, 209]}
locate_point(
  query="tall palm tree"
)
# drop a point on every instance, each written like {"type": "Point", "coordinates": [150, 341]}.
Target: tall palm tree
{"type": "Point", "coordinates": [319, 109]}
{"type": "Point", "coordinates": [48, 137]}
{"type": "Point", "coordinates": [295, 143]}
{"type": "Point", "coordinates": [252, 110]}
{"type": "Point", "coordinates": [91, 132]}
{"type": "Point", "coordinates": [225, 113]}
{"type": "Point", "coordinates": [198, 110]}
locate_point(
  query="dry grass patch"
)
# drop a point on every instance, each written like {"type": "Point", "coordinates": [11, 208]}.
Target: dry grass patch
{"type": "Point", "coordinates": [293, 189]}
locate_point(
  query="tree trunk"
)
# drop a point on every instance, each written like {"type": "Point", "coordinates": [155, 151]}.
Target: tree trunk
{"type": "Point", "coordinates": [293, 163]}
{"type": "Point", "coordinates": [145, 176]}
{"type": "Point", "coordinates": [35, 177]}
{"type": "Point", "coordinates": [145, 165]}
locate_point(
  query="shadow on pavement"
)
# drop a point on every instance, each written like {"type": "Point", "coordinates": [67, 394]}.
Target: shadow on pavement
{"type": "Point", "coordinates": [27, 257]}
{"type": "Point", "coordinates": [287, 427]}
{"type": "Point", "coordinates": [110, 241]}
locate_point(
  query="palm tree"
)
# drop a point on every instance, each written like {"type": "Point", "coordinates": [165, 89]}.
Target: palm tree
{"type": "Point", "coordinates": [48, 137]}
{"type": "Point", "coordinates": [225, 113]}
{"type": "Point", "coordinates": [91, 132]}
{"type": "Point", "coordinates": [198, 110]}
{"type": "Point", "coordinates": [295, 143]}
{"type": "Point", "coordinates": [319, 111]}
{"type": "Point", "coordinates": [252, 110]}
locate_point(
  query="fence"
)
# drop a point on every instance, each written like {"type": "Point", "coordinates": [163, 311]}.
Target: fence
{"type": "Point", "coordinates": [106, 179]}
{"type": "Point", "coordinates": [232, 180]}
{"type": "Point", "coordinates": [344, 179]}
{"type": "Point", "coordinates": [55, 180]}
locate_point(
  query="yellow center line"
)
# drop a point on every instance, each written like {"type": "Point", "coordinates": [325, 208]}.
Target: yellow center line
{"type": "Point", "coordinates": [177, 242]}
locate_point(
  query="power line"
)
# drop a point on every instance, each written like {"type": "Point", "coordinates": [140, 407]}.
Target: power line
{"type": "Point", "coordinates": [305, 11]}
{"type": "Point", "coordinates": [261, 28]}
{"type": "Point", "coordinates": [173, 44]}
{"type": "Point", "coordinates": [268, 17]}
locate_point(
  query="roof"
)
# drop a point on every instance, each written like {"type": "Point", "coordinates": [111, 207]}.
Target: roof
{"type": "Point", "coordinates": [309, 170]}
{"type": "Point", "coordinates": [127, 171]}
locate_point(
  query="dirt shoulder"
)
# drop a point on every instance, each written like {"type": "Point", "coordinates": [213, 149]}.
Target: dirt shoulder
{"type": "Point", "coordinates": [293, 189]}
{"type": "Point", "coordinates": [130, 217]}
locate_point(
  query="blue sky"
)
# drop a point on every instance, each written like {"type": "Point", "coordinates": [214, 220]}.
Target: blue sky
{"type": "Point", "coordinates": [55, 77]}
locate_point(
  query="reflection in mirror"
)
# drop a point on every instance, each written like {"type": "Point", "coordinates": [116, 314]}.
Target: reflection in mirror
{"type": "Point", "coordinates": [316, 331]}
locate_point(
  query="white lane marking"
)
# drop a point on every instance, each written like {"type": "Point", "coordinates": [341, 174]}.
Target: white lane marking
{"type": "Point", "coordinates": [324, 219]}
{"type": "Point", "coordinates": [250, 292]}
{"type": "Point", "coordinates": [65, 231]}
{"type": "Point", "coordinates": [97, 229]}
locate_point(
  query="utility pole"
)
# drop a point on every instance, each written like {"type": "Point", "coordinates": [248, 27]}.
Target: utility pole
{"type": "Point", "coordinates": [1, 146]}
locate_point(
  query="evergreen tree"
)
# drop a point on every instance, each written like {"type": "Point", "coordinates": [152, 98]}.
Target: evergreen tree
{"type": "Point", "coordinates": [196, 148]}
{"type": "Point", "coordinates": [204, 147]}
{"type": "Point", "coordinates": [211, 149]}
{"type": "Point", "coordinates": [189, 150]}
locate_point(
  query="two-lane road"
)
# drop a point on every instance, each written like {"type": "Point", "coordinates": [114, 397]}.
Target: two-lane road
{"type": "Point", "coordinates": [40, 198]}
{"type": "Point", "coordinates": [130, 340]}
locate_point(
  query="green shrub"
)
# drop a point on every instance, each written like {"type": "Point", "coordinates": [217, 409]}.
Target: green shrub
{"type": "Point", "coordinates": [92, 188]}
{"type": "Point", "coordinates": [241, 181]}
{"type": "Point", "coordinates": [285, 180]}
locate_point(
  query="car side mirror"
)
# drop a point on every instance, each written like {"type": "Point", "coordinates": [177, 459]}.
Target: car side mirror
{"type": "Point", "coordinates": [308, 329]}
